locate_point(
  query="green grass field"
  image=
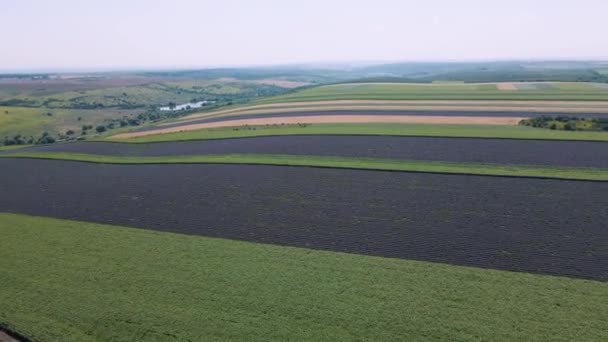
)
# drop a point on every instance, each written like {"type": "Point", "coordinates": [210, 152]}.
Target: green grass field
{"type": "Point", "coordinates": [334, 162]}
{"type": "Point", "coordinates": [25, 121]}
{"type": "Point", "coordinates": [75, 281]}
{"type": "Point", "coordinates": [13, 147]}
{"type": "Point", "coordinates": [26, 112]}
{"type": "Point", "coordinates": [442, 91]}
{"type": "Point", "coordinates": [108, 97]}
{"type": "Point", "coordinates": [463, 131]}
{"type": "Point", "coordinates": [140, 96]}
{"type": "Point", "coordinates": [33, 121]}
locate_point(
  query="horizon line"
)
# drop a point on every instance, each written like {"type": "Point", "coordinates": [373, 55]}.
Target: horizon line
{"type": "Point", "coordinates": [314, 64]}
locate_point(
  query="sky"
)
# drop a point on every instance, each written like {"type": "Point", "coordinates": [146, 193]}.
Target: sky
{"type": "Point", "coordinates": [108, 34]}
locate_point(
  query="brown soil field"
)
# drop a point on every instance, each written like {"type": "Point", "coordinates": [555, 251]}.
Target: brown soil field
{"type": "Point", "coordinates": [415, 119]}
{"type": "Point", "coordinates": [4, 337]}
{"type": "Point", "coordinates": [506, 86]}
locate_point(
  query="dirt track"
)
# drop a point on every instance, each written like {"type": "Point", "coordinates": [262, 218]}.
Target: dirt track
{"type": "Point", "coordinates": [4, 337]}
{"type": "Point", "coordinates": [413, 119]}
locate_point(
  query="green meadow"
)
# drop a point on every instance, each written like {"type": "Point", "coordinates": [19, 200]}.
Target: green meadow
{"type": "Point", "coordinates": [443, 91]}
{"type": "Point", "coordinates": [29, 121]}
{"type": "Point", "coordinates": [76, 281]}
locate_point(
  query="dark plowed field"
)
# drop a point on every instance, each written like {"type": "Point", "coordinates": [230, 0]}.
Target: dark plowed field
{"type": "Point", "coordinates": [380, 112]}
{"type": "Point", "coordinates": [504, 151]}
{"type": "Point", "coordinates": [531, 225]}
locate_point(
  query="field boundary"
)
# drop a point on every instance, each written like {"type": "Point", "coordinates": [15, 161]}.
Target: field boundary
{"type": "Point", "coordinates": [12, 335]}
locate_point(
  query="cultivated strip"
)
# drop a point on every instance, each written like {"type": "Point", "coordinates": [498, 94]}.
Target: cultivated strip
{"type": "Point", "coordinates": [520, 224]}
{"type": "Point", "coordinates": [456, 150]}
{"type": "Point", "coordinates": [375, 129]}
{"type": "Point", "coordinates": [80, 281]}
{"type": "Point", "coordinates": [396, 119]}
{"type": "Point", "coordinates": [414, 105]}
{"type": "Point", "coordinates": [526, 171]}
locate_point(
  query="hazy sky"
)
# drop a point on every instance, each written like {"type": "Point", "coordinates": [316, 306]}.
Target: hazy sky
{"type": "Point", "coordinates": [45, 34]}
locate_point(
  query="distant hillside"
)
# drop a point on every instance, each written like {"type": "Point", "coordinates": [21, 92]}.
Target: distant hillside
{"type": "Point", "coordinates": [485, 72]}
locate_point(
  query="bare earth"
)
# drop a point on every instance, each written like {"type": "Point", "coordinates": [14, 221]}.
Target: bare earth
{"type": "Point", "coordinates": [506, 86]}
{"type": "Point", "coordinates": [6, 338]}
{"type": "Point", "coordinates": [401, 119]}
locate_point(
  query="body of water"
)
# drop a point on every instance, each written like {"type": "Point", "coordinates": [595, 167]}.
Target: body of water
{"type": "Point", "coordinates": [189, 105]}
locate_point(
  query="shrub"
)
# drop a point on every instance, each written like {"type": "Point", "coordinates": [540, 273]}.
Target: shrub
{"type": "Point", "coordinates": [46, 138]}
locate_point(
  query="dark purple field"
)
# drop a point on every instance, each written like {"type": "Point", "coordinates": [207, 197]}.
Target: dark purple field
{"type": "Point", "coordinates": [530, 225]}
{"type": "Point", "coordinates": [499, 151]}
